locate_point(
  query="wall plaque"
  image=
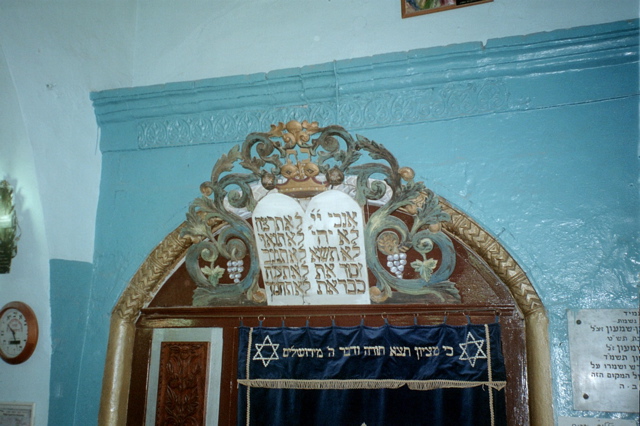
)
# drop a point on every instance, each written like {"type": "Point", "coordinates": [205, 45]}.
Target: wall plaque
{"type": "Point", "coordinates": [17, 413]}
{"type": "Point", "coordinates": [313, 256]}
{"type": "Point", "coordinates": [589, 421]}
{"type": "Point", "coordinates": [605, 360]}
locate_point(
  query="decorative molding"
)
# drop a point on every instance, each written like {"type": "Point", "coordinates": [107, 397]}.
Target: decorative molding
{"type": "Point", "coordinates": [434, 103]}
{"type": "Point", "coordinates": [328, 162]}
{"type": "Point", "coordinates": [223, 126]}
{"type": "Point", "coordinates": [492, 252]}
{"type": "Point", "coordinates": [367, 110]}
{"type": "Point", "coordinates": [384, 90]}
{"type": "Point", "coordinates": [148, 279]}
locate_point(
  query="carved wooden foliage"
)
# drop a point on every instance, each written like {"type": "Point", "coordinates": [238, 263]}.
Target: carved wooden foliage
{"type": "Point", "coordinates": [182, 383]}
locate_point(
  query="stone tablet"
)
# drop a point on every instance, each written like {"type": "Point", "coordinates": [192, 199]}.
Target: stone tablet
{"type": "Point", "coordinates": [605, 361]}
{"type": "Point", "coordinates": [334, 234]}
{"type": "Point", "coordinates": [315, 256]}
{"type": "Point", "coordinates": [277, 226]}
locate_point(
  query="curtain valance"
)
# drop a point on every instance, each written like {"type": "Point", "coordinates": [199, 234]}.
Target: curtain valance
{"type": "Point", "coordinates": [437, 375]}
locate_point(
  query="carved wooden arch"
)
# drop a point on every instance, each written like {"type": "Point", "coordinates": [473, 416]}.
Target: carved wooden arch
{"type": "Point", "coordinates": [163, 260]}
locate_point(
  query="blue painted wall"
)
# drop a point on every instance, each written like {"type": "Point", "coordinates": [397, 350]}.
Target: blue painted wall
{"type": "Point", "coordinates": [70, 285]}
{"type": "Point", "coordinates": [534, 137]}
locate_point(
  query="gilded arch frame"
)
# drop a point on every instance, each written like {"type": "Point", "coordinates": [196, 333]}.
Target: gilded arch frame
{"type": "Point", "coordinates": [164, 258]}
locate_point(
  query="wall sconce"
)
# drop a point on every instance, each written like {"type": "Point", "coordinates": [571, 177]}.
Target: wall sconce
{"type": "Point", "coordinates": [8, 227]}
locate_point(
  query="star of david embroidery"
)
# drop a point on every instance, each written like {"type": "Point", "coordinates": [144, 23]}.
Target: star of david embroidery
{"type": "Point", "coordinates": [468, 353]}
{"type": "Point", "coordinates": [259, 356]}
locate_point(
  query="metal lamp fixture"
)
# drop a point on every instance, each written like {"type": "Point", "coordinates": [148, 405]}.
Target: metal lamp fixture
{"type": "Point", "coordinates": [8, 227]}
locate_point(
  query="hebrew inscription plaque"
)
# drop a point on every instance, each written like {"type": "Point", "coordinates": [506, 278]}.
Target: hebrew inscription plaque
{"type": "Point", "coordinates": [586, 421]}
{"type": "Point", "coordinates": [605, 360]}
{"type": "Point", "coordinates": [314, 255]}
{"type": "Point", "coordinates": [277, 224]}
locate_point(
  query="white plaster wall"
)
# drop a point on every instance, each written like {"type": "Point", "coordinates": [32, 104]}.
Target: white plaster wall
{"type": "Point", "coordinates": [204, 38]}
{"type": "Point", "coordinates": [28, 280]}
{"type": "Point", "coordinates": [58, 52]}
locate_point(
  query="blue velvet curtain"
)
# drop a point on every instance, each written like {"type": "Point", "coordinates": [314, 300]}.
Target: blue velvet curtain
{"type": "Point", "coordinates": [389, 375]}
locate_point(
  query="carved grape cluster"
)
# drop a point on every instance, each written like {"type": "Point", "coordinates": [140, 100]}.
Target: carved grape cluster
{"type": "Point", "coordinates": [235, 269]}
{"type": "Point", "coordinates": [396, 263]}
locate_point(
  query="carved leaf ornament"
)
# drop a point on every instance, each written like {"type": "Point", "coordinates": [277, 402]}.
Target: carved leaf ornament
{"type": "Point", "coordinates": [301, 160]}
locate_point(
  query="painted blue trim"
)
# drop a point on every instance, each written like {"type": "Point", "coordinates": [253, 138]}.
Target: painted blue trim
{"type": "Point", "coordinates": [425, 85]}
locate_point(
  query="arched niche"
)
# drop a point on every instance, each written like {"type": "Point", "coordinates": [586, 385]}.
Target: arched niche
{"type": "Point", "coordinates": [482, 263]}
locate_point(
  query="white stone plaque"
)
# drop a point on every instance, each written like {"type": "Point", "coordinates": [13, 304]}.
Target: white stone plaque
{"type": "Point", "coordinates": [591, 421]}
{"type": "Point", "coordinates": [277, 226]}
{"type": "Point", "coordinates": [315, 256]}
{"type": "Point", "coordinates": [17, 413]}
{"type": "Point", "coordinates": [334, 234]}
{"type": "Point", "coordinates": [605, 359]}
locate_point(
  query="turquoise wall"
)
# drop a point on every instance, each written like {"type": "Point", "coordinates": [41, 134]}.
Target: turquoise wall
{"type": "Point", "coordinates": [70, 286]}
{"type": "Point", "coordinates": [534, 137]}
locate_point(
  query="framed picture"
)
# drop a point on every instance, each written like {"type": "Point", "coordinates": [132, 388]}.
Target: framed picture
{"type": "Point", "coordinates": [17, 413]}
{"type": "Point", "coordinates": [420, 7]}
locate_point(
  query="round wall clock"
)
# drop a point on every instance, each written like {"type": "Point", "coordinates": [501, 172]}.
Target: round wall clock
{"type": "Point", "coordinates": [18, 332]}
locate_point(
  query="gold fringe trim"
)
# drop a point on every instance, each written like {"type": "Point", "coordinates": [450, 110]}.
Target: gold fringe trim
{"type": "Point", "coordinates": [488, 339]}
{"type": "Point", "coordinates": [423, 385]}
{"type": "Point", "coordinates": [443, 384]}
{"type": "Point", "coordinates": [248, 375]}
